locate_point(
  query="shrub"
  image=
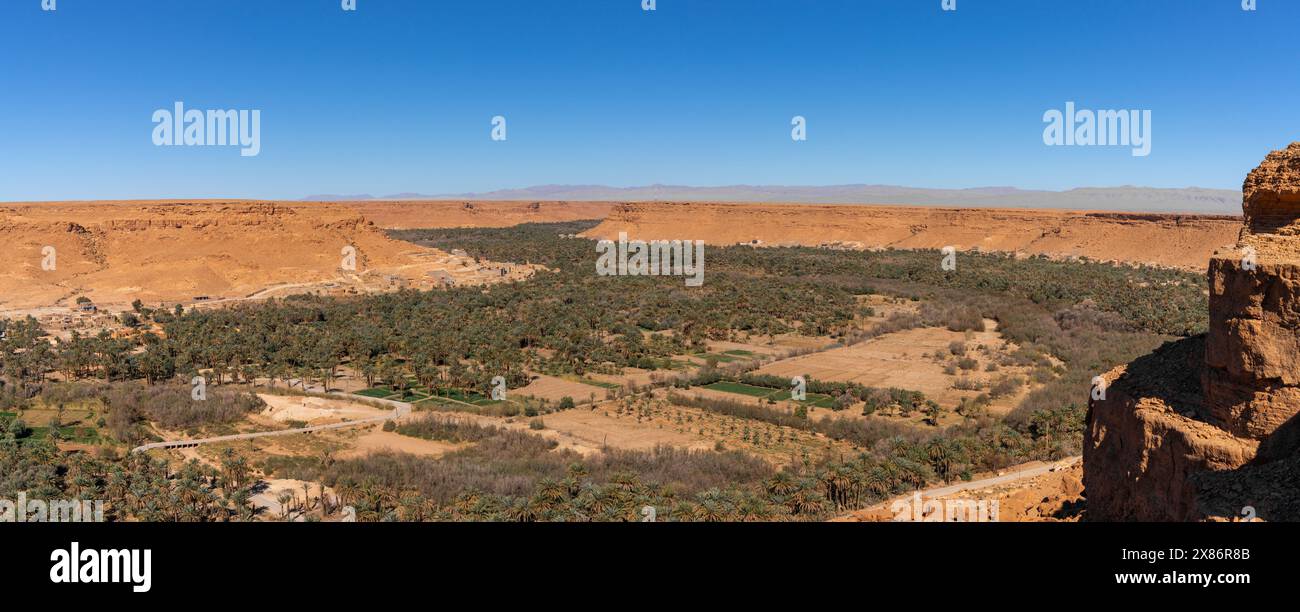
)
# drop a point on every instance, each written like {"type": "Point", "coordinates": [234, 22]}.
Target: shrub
{"type": "Point", "coordinates": [1007, 386]}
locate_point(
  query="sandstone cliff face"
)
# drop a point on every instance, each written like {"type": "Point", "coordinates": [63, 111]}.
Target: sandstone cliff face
{"type": "Point", "coordinates": [1150, 435]}
{"type": "Point", "coordinates": [1205, 427]}
{"type": "Point", "coordinates": [1253, 351]}
{"type": "Point", "coordinates": [1186, 241]}
{"type": "Point", "coordinates": [1272, 195]}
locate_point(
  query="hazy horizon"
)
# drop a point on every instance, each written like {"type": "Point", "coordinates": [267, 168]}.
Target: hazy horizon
{"type": "Point", "coordinates": [1126, 198]}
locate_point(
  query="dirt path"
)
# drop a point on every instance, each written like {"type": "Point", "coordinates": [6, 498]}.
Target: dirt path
{"type": "Point", "coordinates": [1018, 473]}
{"type": "Point", "coordinates": [400, 409]}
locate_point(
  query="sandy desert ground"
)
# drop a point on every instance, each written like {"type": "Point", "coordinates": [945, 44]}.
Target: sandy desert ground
{"type": "Point", "coordinates": [179, 251]}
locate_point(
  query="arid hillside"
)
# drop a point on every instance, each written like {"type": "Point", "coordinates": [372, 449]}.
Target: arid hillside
{"type": "Point", "coordinates": [1185, 241]}
{"type": "Point", "coordinates": [420, 214]}
{"type": "Point", "coordinates": [171, 251]}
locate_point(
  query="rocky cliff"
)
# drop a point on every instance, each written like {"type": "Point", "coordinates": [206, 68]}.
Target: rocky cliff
{"type": "Point", "coordinates": [1206, 427]}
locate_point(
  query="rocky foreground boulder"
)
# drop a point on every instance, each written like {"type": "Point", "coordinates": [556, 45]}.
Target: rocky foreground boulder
{"type": "Point", "coordinates": [1205, 428]}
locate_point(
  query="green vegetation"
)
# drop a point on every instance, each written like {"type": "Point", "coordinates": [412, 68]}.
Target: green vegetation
{"type": "Point", "coordinates": [734, 387]}
{"type": "Point", "coordinates": [1071, 321]}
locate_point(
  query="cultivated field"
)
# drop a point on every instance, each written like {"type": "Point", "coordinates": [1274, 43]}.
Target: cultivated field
{"type": "Point", "coordinates": [918, 359]}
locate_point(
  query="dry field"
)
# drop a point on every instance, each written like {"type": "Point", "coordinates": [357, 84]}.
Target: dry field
{"type": "Point", "coordinates": [555, 389]}
{"type": "Point", "coordinates": [373, 438]}
{"type": "Point", "coordinates": [315, 410]}
{"type": "Point", "coordinates": [644, 422]}
{"type": "Point", "coordinates": [907, 360]}
{"type": "Point", "coordinates": [605, 427]}
{"type": "Point", "coordinates": [637, 376]}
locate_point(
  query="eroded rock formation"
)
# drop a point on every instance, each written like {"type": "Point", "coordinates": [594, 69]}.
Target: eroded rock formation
{"type": "Point", "coordinates": [1206, 428]}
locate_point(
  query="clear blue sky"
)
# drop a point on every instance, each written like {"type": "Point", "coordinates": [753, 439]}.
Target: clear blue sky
{"type": "Point", "coordinates": [399, 95]}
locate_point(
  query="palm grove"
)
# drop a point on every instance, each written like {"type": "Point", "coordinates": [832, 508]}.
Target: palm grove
{"type": "Point", "coordinates": [567, 320]}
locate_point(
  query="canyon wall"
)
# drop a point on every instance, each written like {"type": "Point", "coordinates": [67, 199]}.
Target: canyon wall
{"type": "Point", "coordinates": [1185, 241]}
{"type": "Point", "coordinates": [1206, 427]}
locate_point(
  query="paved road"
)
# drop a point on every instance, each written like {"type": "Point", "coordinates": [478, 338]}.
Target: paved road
{"type": "Point", "coordinates": [944, 491]}
{"type": "Point", "coordinates": [400, 409]}
{"type": "Point", "coordinates": [997, 480]}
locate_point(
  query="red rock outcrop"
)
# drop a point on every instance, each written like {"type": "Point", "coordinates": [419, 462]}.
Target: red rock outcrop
{"type": "Point", "coordinates": [1206, 427]}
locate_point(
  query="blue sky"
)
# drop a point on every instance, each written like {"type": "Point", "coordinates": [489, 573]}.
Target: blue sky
{"type": "Point", "coordinates": [398, 96]}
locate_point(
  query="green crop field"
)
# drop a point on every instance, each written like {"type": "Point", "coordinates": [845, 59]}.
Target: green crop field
{"type": "Point", "coordinates": [720, 357]}
{"type": "Point", "coordinates": [741, 388]}
{"type": "Point", "coordinates": [70, 433]}
{"type": "Point", "coordinates": [378, 392]}
{"type": "Point", "coordinates": [780, 395]}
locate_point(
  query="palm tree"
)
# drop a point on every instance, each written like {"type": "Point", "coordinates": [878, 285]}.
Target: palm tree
{"type": "Point", "coordinates": [941, 457]}
{"type": "Point", "coordinates": [877, 481]}
{"type": "Point", "coordinates": [285, 498]}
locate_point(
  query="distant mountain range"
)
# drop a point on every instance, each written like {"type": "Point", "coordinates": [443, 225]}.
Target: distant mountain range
{"type": "Point", "coordinates": [1127, 198]}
